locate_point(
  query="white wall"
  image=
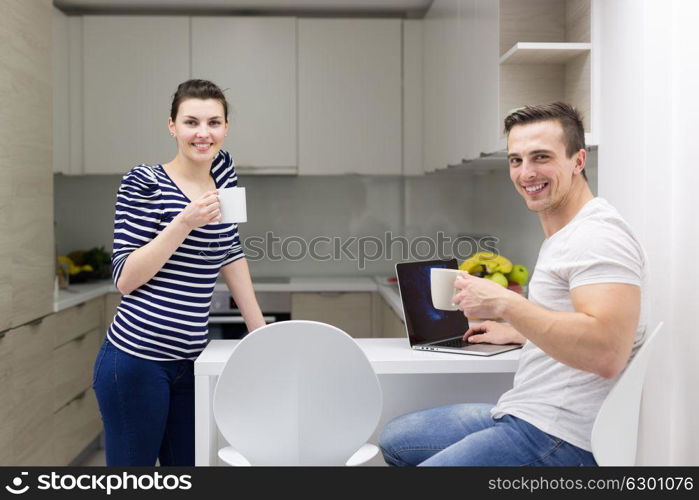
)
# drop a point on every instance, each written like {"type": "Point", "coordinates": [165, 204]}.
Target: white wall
{"type": "Point", "coordinates": [649, 71]}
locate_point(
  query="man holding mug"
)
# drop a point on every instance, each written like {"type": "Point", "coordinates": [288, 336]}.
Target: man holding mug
{"type": "Point", "coordinates": [583, 320]}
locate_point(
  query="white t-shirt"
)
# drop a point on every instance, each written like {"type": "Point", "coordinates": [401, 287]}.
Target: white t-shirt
{"type": "Point", "coordinates": [597, 246]}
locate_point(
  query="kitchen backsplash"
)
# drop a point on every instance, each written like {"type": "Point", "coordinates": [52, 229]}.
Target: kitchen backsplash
{"type": "Point", "coordinates": [341, 213]}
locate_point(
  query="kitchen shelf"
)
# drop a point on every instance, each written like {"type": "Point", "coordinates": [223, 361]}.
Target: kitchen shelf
{"type": "Point", "coordinates": [546, 55]}
{"type": "Point", "coordinates": [544, 52]}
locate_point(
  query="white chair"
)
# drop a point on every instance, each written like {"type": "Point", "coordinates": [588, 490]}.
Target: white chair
{"type": "Point", "coordinates": [615, 431]}
{"type": "Point", "coordinates": [297, 393]}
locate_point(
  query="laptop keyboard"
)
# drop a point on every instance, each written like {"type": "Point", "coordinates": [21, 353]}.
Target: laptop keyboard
{"type": "Point", "coordinates": [452, 343]}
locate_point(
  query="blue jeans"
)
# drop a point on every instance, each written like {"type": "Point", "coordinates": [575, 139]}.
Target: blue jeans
{"type": "Point", "coordinates": [466, 434]}
{"type": "Point", "coordinates": [147, 408]}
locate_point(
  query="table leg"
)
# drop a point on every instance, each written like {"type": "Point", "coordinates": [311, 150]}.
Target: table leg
{"type": "Point", "coordinates": [205, 430]}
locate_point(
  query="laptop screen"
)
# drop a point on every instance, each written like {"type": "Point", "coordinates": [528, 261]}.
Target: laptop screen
{"type": "Point", "coordinates": [426, 324]}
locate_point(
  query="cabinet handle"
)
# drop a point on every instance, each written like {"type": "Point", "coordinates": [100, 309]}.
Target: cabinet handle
{"type": "Point", "coordinates": [80, 338]}
{"type": "Point", "coordinates": [331, 294]}
{"type": "Point", "coordinates": [36, 322]}
{"type": "Point", "coordinates": [77, 398]}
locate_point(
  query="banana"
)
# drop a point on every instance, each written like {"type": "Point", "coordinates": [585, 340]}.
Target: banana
{"type": "Point", "coordinates": [491, 262]}
{"type": "Point", "coordinates": [471, 266]}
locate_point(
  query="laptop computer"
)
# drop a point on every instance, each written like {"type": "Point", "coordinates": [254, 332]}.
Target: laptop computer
{"type": "Point", "coordinates": [431, 329]}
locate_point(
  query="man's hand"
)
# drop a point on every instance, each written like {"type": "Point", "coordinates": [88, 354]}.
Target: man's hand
{"type": "Point", "coordinates": [492, 332]}
{"type": "Point", "coordinates": [479, 297]}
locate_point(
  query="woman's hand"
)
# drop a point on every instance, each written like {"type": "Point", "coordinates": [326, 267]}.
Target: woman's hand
{"type": "Point", "coordinates": [203, 211]}
{"type": "Point", "coordinates": [492, 332]}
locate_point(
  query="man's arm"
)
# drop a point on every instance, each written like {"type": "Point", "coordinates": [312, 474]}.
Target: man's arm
{"type": "Point", "coordinates": [597, 337]}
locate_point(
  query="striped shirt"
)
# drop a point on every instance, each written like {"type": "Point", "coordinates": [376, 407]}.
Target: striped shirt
{"type": "Point", "coordinates": [167, 318]}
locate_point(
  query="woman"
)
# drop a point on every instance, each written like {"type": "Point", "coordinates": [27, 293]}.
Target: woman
{"type": "Point", "coordinates": [169, 246]}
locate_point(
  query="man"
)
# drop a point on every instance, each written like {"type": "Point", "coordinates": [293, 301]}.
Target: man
{"type": "Point", "coordinates": [579, 327]}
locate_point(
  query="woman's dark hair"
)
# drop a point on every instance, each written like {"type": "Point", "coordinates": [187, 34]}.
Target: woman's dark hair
{"type": "Point", "coordinates": [197, 89]}
{"type": "Point", "coordinates": [569, 118]}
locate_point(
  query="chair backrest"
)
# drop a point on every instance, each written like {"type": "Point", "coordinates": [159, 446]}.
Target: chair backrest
{"type": "Point", "coordinates": [615, 431]}
{"type": "Point", "coordinates": [297, 393]}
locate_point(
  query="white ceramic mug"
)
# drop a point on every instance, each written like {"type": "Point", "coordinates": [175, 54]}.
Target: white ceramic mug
{"type": "Point", "coordinates": [442, 288]}
{"type": "Point", "coordinates": [233, 207]}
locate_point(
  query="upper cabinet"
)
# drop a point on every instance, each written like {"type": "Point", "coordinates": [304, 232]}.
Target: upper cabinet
{"type": "Point", "coordinates": [413, 122]}
{"type": "Point", "coordinates": [350, 96]}
{"type": "Point", "coordinates": [254, 61]}
{"type": "Point", "coordinates": [131, 66]}
{"type": "Point", "coordinates": [440, 65]}
{"type": "Point", "coordinates": [460, 81]}
{"type": "Point", "coordinates": [311, 96]}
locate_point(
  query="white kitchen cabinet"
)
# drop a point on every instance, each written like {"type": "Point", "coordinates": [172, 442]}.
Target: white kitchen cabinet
{"type": "Point", "coordinates": [350, 96]}
{"type": "Point", "coordinates": [440, 38]}
{"type": "Point", "coordinates": [131, 66]}
{"type": "Point", "coordinates": [461, 74]}
{"type": "Point", "coordinates": [485, 124]}
{"type": "Point", "coordinates": [254, 61]}
{"type": "Point", "coordinates": [67, 93]}
{"type": "Point", "coordinates": [413, 129]}
{"type": "Point", "coordinates": [61, 91]}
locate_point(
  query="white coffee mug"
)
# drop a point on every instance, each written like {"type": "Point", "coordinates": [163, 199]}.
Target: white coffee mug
{"type": "Point", "coordinates": [233, 207]}
{"type": "Point", "coordinates": [442, 288]}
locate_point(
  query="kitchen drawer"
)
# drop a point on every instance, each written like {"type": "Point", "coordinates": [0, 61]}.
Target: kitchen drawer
{"type": "Point", "coordinates": [76, 425]}
{"type": "Point", "coordinates": [72, 367]}
{"type": "Point", "coordinates": [31, 390]}
{"type": "Point", "coordinates": [349, 311]}
{"type": "Point", "coordinates": [77, 320]}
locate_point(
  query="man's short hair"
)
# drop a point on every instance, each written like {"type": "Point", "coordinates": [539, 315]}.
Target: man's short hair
{"type": "Point", "coordinates": [565, 114]}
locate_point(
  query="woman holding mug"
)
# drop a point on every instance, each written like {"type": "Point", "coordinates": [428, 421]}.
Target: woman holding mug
{"type": "Point", "coordinates": [169, 246]}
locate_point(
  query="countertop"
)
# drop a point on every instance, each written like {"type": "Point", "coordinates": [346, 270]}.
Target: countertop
{"type": "Point", "coordinates": [77, 294]}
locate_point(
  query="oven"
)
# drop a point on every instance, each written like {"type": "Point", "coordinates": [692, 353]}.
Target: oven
{"type": "Point", "coordinates": [226, 322]}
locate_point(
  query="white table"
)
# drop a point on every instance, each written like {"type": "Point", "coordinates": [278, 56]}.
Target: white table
{"type": "Point", "coordinates": [410, 380]}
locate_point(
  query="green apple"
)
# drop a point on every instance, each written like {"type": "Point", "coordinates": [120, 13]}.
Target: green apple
{"type": "Point", "coordinates": [498, 278]}
{"type": "Point", "coordinates": [519, 274]}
